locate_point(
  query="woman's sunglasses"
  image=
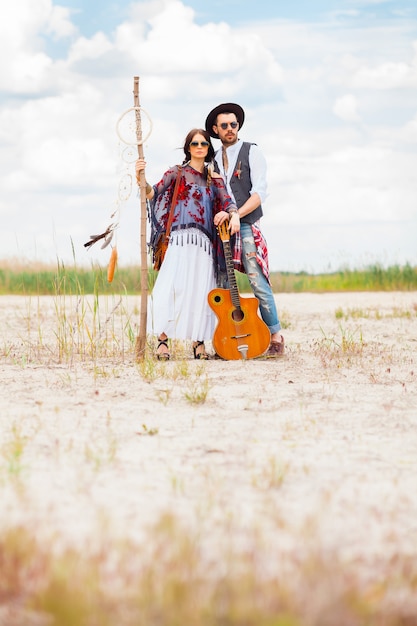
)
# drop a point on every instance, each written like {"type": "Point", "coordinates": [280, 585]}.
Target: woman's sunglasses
{"type": "Point", "coordinates": [195, 144]}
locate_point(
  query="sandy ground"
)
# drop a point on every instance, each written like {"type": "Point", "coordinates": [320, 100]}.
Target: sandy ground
{"type": "Point", "coordinates": [317, 448]}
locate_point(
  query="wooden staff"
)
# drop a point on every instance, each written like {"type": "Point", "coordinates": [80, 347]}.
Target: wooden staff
{"type": "Point", "coordinates": [141, 338]}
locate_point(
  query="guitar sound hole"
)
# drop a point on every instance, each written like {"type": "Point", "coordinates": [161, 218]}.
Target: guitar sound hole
{"type": "Point", "coordinates": [237, 315]}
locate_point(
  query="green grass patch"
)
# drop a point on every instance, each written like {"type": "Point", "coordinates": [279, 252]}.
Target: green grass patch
{"type": "Point", "coordinates": [28, 279]}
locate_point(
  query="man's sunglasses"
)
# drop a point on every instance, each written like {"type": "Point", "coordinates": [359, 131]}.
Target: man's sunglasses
{"type": "Point", "coordinates": [204, 144]}
{"type": "Point", "coordinates": [224, 125]}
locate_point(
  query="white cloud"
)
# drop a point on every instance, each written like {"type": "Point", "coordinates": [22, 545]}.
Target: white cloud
{"type": "Point", "coordinates": [93, 48]}
{"type": "Point", "coordinates": [385, 76]}
{"type": "Point", "coordinates": [346, 108]}
{"type": "Point", "coordinates": [60, 141]}
{"type": "Point", "coordinates": [360, 72]}
{"type": "Point", "coordinates": [173, 44]}
{"type": "Point", "coordinates": [410, 134]}
{"type": "Point", "coordinates": [59, 23]}
{"type": "Point", "coordinates": [24, 64]}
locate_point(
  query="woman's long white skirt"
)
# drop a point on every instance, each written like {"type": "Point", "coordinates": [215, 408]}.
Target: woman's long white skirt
{"type": "Point", "coordinates": [178, 303]}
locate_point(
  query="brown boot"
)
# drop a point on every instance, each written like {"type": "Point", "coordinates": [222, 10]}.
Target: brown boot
{"type": "Point", "coordinates": [276, 349]}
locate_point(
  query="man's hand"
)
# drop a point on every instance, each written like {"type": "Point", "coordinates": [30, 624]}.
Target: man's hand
{"type": "Point", "coordinates": [234, 221]}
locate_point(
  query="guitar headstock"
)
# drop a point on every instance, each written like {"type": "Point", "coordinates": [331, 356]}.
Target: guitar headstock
{"type": "Point", "coordinates": [223, 230]}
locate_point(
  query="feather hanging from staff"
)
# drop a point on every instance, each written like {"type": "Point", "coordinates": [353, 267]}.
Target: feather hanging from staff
{"type": "Point", "coordinates": [112, 265]}
{"type": "Point", "coordinates": [107, 236]}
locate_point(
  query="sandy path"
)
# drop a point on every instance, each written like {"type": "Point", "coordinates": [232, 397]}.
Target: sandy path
{"type": "Point", "coordinates": [313, 451]}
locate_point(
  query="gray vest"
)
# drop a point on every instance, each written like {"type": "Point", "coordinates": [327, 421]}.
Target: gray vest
{"type": "Point", "coordinates": [242, 185]}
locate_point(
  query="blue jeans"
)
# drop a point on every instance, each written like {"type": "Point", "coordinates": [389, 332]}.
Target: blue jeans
{"type": "Point", "coordinates": [260, 286]}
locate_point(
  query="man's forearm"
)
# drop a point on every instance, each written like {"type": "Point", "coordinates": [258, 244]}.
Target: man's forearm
{"type": "Point", "coordinates": [250, 205]}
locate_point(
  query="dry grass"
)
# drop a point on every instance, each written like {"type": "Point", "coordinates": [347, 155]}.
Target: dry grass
{"type": "Point", "coordinates": [175, 577]}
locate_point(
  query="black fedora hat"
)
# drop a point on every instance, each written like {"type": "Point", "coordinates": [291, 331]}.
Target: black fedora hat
{"type": "Point", "coordinates": [227, 107]}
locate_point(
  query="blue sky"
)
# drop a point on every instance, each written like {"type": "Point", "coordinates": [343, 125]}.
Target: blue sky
{"type": "Point", "coordinates": [90, 16]}
{"type": "Point", "coordinates": [329, 90]}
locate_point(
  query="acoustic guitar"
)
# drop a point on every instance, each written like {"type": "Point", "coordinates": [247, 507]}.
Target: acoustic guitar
{"type": "Point", "coordinates": [240, 332]}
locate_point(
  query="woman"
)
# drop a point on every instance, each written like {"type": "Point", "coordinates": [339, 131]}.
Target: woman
{"type": "Point", "coordinates": [194, 257]}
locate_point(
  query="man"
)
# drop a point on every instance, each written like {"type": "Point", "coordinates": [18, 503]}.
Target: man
{"type": "Point", "coordinates": [243, 167]}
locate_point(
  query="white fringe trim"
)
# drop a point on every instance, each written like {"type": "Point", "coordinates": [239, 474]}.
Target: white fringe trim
{"type": "Point", "coordinates": [193, 237]}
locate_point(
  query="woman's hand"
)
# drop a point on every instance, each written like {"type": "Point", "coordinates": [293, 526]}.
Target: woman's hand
{"type": "Point", "coordinates": [220, 217]}
{"type": "Point", "coordinates": [140, 167]}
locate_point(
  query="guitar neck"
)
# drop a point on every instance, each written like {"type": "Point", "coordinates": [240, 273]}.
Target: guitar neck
{"type": "Point", "coordinates": [234, 292]}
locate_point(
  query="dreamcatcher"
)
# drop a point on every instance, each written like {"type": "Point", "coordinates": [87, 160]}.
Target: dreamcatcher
{"type": "Point", "coordinates": [129, 131]}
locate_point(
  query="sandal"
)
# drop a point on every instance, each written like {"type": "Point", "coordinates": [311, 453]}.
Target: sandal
{"type": "Point", "coordinates": [202, 355]}
{"type": "Point", "coordinates": [162, 356]}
